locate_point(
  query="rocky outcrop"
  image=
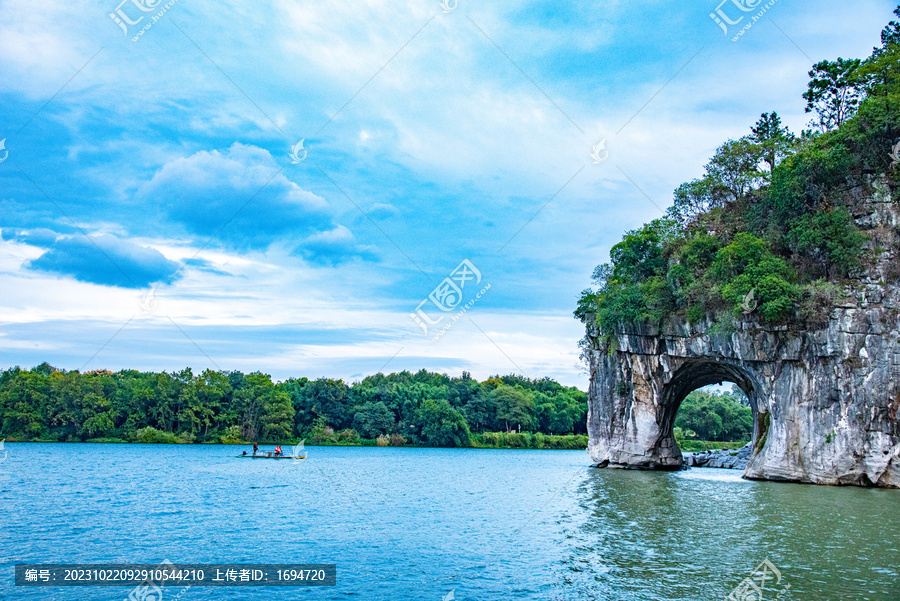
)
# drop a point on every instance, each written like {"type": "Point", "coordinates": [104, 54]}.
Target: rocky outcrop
{"type": "Point", "coordinates": [724, 458]}
{"type": "Point", "coordinates": [825, 400]}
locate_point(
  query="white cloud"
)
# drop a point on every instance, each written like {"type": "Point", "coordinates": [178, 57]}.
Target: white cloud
{"type": "Point", "coordinates": [151, 127]}
{"type": "Point", "coordinates": [239, 196]}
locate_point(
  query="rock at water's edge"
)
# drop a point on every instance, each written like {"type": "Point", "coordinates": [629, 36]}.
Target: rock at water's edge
{"type": "Point", "coordinates": [825, 401]}
{"type": "Point", "coordinates": [722, 458]}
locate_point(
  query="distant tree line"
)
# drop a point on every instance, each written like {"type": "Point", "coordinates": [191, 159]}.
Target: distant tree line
{"type": "Point", "coordinates": [722, 416]}
{"type": "Point", "coordinates": [423, 408]}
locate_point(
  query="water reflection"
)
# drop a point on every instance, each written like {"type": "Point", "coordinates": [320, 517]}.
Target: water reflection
{"type": "Point", "coordinates": [696, 535]}
{"type": "Point", "coordinates": [408, 523]}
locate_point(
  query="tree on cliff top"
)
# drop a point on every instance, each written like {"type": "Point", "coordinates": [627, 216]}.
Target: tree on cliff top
{"type": "Point", "coordinates": [774, 140]}
{"type": "Point", "coordinates": [834, 92]}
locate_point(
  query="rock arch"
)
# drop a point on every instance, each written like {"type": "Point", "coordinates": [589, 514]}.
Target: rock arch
{"type": "Point", "coordinates": [826, 399]}
{"type": "Point", "coordinates": [825, 402]}
{"type": "Point", "coordinates": [694, 374]}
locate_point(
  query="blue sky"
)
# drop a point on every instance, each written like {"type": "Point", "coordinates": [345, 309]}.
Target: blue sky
{"type": "Point", "coordinates": [152, 215]}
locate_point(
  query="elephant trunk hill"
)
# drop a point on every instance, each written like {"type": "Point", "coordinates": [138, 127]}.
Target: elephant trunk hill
{"type": "Point", "coordinates": [825, 399]}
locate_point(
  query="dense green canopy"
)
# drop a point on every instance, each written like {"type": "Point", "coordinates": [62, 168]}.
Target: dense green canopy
{"type": "Point", "coordinates": [422, 408]}
{"type": "Point", "coordinates": [710, 415]}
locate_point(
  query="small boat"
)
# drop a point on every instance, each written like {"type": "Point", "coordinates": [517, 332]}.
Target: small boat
{"type": "Point", "coordinates": [268, 455]}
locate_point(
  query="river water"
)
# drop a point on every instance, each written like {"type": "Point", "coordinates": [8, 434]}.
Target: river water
{"type": "Point", "coordinates": [411, 523]}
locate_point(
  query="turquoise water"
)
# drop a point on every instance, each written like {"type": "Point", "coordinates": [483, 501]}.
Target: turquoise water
{"type": "Point", "coordinates": [417, 523]}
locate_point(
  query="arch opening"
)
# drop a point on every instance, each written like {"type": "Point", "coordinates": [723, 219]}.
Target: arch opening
{"type": "Point", "coordinates": [698, 375]}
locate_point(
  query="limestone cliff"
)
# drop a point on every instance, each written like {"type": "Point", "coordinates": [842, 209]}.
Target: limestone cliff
{"type": "Point", "coordinates": [825, 399]}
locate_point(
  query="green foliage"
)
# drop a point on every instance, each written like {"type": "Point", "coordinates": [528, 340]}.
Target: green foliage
{"type": "Point", "coordinates": [526, 440]}
{"type": "Point", "coordinates": [444, 425]}
{"type": "Point", "coordinates": [324, 398]}
{"type": "Point", "coordinates": [557, 414]}
{"type": "Point", "coordinates": [640, 255]}
{"type": "Point", "coordinates": [890, 35]}
{"type": "Point", "coordinates": [830, 238]}
{"type": "Point", "coordinates": [321, 433]}
{"type": "Point", "coordinates": [152, 435]}
{"type": "Point", "coordinates": [834, 91]}
{"type": "Point", "coordinates": [804, 181]}
{"type": "Point", "coordinates": [714, 416]}
{"type": "Point", "coordinates": [515, 407]}
{"type": "Point", "coordinates": [734, 169]}
{"type": "Point", "coordinates": [879, 74]}
{"type": "Point", "coordinates": [687, 273]}
{"type": "Point", "coordinates": [236, 408]}
{"type": "Point", "coordinates": [695, 198]}
{"type": "Point", "coordinates": [373, 419]}
{"type": "Point", "coordinates": [748, 265]}
{"type": "Point", "coordinates": [774, 139]}
{"type": "Point", "coordinates": [634, 289]}
{"type": "Point", "coordinates": [232, 435]}
{"type": "Point", "coordinates": [622, 305]}
{"type": "Point", "coordinates": [481, 412]}
{"type": "Point", "coordinates": [348, 435]}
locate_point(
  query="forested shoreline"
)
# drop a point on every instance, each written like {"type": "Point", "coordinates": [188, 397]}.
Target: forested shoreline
{"type": "Point", "coordinates": [713, 420]}
{"type": "Point", "coordinates": [400, 409]}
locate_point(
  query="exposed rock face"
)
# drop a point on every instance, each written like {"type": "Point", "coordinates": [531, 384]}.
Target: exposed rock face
{"type": "Point", "coordinates": [825, 400]}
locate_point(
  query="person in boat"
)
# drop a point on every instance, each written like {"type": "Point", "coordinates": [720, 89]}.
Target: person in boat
{"type": "Point", "coordinates": [255, 448]}
{"type": "Point", "coordinates": [245, 453]}
{"type": "Point", "coordinates": [278, 452]}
